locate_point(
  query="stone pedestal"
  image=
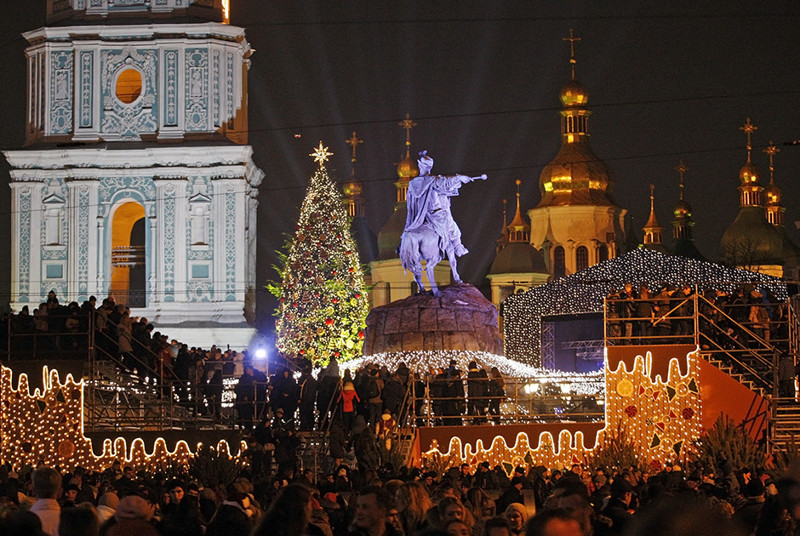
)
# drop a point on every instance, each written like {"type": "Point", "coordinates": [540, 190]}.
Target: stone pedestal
{"type": "Point", "coordinates": [460, 319]}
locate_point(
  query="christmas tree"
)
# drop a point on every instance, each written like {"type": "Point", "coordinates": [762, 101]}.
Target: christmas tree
{"type": "Point", "coordinates": [323, 304]}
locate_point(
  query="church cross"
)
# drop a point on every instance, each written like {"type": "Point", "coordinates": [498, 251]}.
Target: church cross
{"type": "Point", "coordinates": [681, 169]}
{"type": "Point", "coordinates": [572, 40]}
{"type": "Point", "coordinates": [354, 142]}
{"type": "Point", "coordinates": [748, 128]}
{"type": "Point", "coordinates": [771, 151]}
{"type": "Point", "coordinates": [407, 124]}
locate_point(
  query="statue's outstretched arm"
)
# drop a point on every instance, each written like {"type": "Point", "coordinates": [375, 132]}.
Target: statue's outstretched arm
{"type": "Point", "coordinates": [465, 179]}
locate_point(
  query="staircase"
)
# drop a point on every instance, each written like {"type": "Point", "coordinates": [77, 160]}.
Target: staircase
{"type": "Point", "coordinates": [736, 348]}
{"type": "Point", "coordinates": [313, 451]}
{"type": "Point", "coordinates": [785, 425]}
{"type": "Point", "coordinates": [118, 400]}
{"type": "Point", "coordinates": [753, 383]}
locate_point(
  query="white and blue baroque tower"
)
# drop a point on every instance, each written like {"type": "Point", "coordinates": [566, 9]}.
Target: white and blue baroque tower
{"type": "Point", "coordinates": [135, 179]}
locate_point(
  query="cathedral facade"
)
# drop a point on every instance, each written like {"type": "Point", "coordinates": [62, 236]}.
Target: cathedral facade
{"type": "Point", "coordinates": [135, 180]}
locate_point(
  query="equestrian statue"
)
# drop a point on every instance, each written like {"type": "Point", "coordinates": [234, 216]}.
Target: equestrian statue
{"type": "Point", "coordinates": [431, 233]}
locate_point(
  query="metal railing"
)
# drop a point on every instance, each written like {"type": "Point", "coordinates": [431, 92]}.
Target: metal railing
{"type": "Point", "coordinates": [467, 401]}
{"type": "Point", "coordinates": [726, 332]}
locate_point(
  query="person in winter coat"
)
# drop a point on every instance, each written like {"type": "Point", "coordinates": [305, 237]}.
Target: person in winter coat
{"type": "Point", "coordinates": [233, 517]}
{"type": "Point", "coordinates": [245, 398]}
{"type": "Point", "coordinates": [393, 394]}
{"type": "Point", "coordinates": [307, 399]}
{"type": "Point", "coordinates": [497, 393]}
{"type": "Point", "coordinates": [286, 452]}
{"type": "Point", "coordinates": [327, 391]}
{"type": "Point", "coordinates": [477, 389]}
{"type": "Point", "coordinates": [511, 494]}
{"type": "Point", "coordinates": [347, 400]}
{"type": "Point", "coordinates": [337, 442]}
{"type": "Point", "coordinates": [365, 445]}
{"type": "Point", "coordinates": [539, 478]}
{"type": "Point", "coordinates": [386, 429]}
{"type": "Point", "coordinates": [453, 406]}
{"type": "Point", "coordinates": [284, 393]}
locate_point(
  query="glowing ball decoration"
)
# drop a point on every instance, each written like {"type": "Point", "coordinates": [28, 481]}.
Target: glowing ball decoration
{"type": "Point", "coordinates": [583, 292]}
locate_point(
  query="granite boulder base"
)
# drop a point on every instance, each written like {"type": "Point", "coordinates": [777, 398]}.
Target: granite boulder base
{"type": "Point", "coordinates": [461, 318]}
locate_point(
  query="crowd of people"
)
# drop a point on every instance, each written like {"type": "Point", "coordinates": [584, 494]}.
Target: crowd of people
{"type": "Point", "coordinates": [443, 396]}
{"type": "Point", "coordinates": [468, 500]}
{"type": "Point", "coordinates": [644, 316]}
{"type": "Point", "coordinates": [55, 331]}
{"type": "Point", "coordinates": [745, 321]}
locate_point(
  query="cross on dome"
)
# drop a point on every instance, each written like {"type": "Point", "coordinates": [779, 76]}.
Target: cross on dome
{"type": "Point", "coordinates": [748, 128]}
{"type": "Point", "coordinates": [354, 142]}
{"type": "Point", "coordinates": [572, 40]}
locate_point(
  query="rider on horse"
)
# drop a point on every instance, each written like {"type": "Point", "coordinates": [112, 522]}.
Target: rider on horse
{"type": "Point", "coordinates": [428, 202]}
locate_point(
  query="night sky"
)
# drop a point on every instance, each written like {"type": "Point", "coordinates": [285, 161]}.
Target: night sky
{"type": "Point", "coordinates": [481, 80]}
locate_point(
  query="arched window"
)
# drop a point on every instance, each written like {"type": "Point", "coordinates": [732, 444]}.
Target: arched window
{"type": "Point", "coordinates": [559, 269]}
{"type": "Point", "coordinates": [581, 258]}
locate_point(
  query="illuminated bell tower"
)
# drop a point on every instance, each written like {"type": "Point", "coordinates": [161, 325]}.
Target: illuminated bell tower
{"type": "Point", "coordinates": [577, 223]}
{"type": "Point", "coordinates": [751, 242]}
{"type": "Point", "coordinates": [683, 224]}
{"type": "Point", "coordinates": [652, 229]}
{"type": "Point", "coordinates": [775, 212]}
{"type": "Point", "coordinates": [137, 180]}
{"type": "Point", "coordinates": [354, 202]}
{"type": "Point", "coordinates": [518, 266]}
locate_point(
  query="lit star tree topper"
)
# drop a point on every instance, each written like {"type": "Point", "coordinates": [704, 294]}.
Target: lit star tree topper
{"type": "Point", "coordinates": [323, 302]}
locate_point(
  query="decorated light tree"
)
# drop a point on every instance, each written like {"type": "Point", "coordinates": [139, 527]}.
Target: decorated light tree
{"type": "Point", "coordinates": [323, 304]}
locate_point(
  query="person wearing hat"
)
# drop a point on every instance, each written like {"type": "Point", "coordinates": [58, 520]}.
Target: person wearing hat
{"type": "Point", "coordinates": [747, 515]}
{"type": "Point", "coordinates": [107, 506]}
{"type": "Point", "coordinates": [234, 515]}
{"type": "Point", "coordinates": [133, 517]}
{"type": "Point", "coordinates": [70, 494]}
{"type": "Point", "coordinates": [512, 493]}
{"type": "Point", "coordinates": [517, 515]}
{"type": "Point", "coordinates": [386, 429]}
{"type": "Point", "coordinates": [618, 508]}
{"type": "Point", "coordinates": [348, 406]}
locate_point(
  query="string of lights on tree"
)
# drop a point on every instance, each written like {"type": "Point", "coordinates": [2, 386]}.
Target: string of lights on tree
{"type": "Point", "coordinates": [583, 292]}
{"type": "Point", "coordinates": [322, 301]}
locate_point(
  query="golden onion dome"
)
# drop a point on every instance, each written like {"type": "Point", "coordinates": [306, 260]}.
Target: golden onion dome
{"type": "Point", "coordinates": [574, 94]}
{"type": "Point", "coordinates": [774, 194]}
{"type": "Point", "coordinates": [748, 174]}
{"type": "Point", "coordinates": [352, 188]}
{"type": "Point", "coordinates": [682, 209]}
{"type": "Point", "coordinates": [407, 168]}
{"type": "Point", "coordinates": [576, 177]}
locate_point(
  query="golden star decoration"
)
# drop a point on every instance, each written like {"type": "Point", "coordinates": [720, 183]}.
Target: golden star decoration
{"type": "Point", "coordinates": [320, 154]}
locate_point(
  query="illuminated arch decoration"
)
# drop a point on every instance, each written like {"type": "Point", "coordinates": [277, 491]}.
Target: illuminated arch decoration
{"type": "Point", "coordinates": [662, 417]}
{"type": "Point", "coordinates": [47, 426]}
